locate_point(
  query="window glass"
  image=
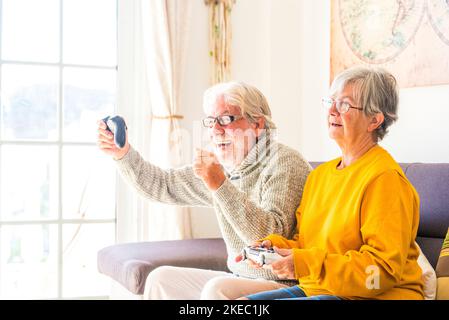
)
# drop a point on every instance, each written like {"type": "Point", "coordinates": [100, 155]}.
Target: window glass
{"type": "Point", "coordinates": [89, 32]}
{"type": "Point", "coordinates": [30, 30]}
{"type": "Point", "coordinates": [80, 249]}
{"type": "Point", "coordinates": [89, 95]}
{"type": "Point", "coordinates": [29, 102]}
{"type": "Point", "coordinates": [88, 184]}
{"type": "Point", "coordinates": [29, 182]}
{"type": "Point", "coordinates": [28, 262]}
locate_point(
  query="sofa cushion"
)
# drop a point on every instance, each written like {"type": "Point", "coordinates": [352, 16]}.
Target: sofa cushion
{"type": "Point", "coordinates": [130, 263]}
{"type": "Point", "coordinates": [431, 181]}
{"type": "Point", "coordinates": [429, 277]}
{"type": "Point", "coordinates": [431, 248]}
{"type": "Point", "coordinates": [443, 271]}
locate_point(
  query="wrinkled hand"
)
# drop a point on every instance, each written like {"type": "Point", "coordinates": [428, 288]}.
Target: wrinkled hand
{"type": "Point", "coordinates": [265, 243]}
{"type": "Point", "coordinates": [207, 168]}
{"type": "Point", "coordinates": [284, 268]}
{"type": "Point", "coordinates": [105, 142]}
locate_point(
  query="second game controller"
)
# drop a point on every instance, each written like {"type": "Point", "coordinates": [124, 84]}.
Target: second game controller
{"type": "Point", "coordinates": [260, 255]}
{"type": "Point", "coordinates": [117, 126]}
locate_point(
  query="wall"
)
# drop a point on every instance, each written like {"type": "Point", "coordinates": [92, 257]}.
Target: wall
{"type": "Point", "coordinates": [420, 135]}
{"type": "Point", "coordinates": [203, 220]}
{"type": "Point", "coordinates": [265, 53]}
{"type": "Point", "coordinates": [422, 132]}
{"type": "Point", "coordinates": [315, 65]}
{"type": "Point", "coordinates": [282, 47]}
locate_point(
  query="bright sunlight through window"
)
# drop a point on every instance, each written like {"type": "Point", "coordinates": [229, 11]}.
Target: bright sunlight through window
{"type": "Point", "coordinates": [58, 65]}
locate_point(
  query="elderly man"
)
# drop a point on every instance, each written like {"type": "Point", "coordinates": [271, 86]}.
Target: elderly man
{"type": "Point", "coordinates": [253, 182]}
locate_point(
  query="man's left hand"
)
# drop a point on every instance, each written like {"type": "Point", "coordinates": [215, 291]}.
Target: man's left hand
{"type": "Point", "coordinates": [207, 168]}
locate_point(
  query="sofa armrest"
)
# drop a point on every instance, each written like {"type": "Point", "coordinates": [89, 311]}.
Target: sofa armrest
{"type": "Point", "coordinates": [130, 263]}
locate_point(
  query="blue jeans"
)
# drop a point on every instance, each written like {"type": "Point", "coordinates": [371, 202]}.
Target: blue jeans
{"type": "Point", "coordinates": [291, 293]}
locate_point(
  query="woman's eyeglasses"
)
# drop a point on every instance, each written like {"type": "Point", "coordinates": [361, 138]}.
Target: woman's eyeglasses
{"type": "Point", "coordinates": [341, 105]}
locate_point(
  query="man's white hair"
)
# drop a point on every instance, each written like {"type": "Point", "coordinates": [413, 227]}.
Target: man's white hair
{"type": "Point", "coordinates": [251, 101]}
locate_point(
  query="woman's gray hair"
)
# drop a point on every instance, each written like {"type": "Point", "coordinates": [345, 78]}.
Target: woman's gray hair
{"type": "Point", "coordinates": [251, 101]}
{"type": "Point", "coordinates": [374, 90]}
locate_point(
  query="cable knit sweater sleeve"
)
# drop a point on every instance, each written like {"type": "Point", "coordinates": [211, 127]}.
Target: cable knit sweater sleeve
{"type": "Point", "coordinates": [258, 198]}
{"type": "Point", "coordinates": [273, 210]}
{"type": "Point", "coordinates": [172, 186]}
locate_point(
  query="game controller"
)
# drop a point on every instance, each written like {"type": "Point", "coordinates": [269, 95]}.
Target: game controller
{"type": "Point", "coordinates": [118, 127]}
{"type": "Point", "coordinates": [260, 255]}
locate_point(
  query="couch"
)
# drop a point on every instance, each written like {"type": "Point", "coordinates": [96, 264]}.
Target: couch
{"type": "Point", "coordinates": [130, 263]}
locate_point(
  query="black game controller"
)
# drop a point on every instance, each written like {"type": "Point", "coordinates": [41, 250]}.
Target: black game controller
{"type": "Point", "coordinates": [118, 127]}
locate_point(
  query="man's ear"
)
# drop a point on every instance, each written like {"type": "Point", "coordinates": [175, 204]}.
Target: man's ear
{"type": "Point", "coordinates": [376, 121]}
{"type": "Point", "coordinates": [260, 125]}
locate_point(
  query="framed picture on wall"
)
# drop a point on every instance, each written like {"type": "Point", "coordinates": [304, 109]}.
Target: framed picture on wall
{"type": "Point", "coordinates": [410, 38]}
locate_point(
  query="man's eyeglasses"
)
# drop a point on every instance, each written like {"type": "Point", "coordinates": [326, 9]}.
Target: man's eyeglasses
{"type": "Point", "coordinates": [342, 106]}
{"type": "Point", "coordinates": [224, 120]}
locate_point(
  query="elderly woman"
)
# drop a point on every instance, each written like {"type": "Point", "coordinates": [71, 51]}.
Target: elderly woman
{"type": "Point", "coordinates": [358, 216]}
{"type": "Point", "coordinates": [253, 183]}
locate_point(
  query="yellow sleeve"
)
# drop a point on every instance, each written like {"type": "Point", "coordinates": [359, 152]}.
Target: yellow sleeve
{"type": "Point", "coordinates": [282, 242]}
{"type": "Point", "coordinates": [388, 222]}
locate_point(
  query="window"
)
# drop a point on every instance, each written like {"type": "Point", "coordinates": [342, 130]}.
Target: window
{"type": "Point", "coordinates": [58, 65]}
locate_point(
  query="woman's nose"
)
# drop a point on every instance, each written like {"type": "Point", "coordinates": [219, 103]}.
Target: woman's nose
{"type": "Point", "coordinates": [333, 109]}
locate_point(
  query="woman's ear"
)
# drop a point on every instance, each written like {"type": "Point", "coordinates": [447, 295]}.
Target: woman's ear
{"type": "Point", "coordinates": [376, 121]}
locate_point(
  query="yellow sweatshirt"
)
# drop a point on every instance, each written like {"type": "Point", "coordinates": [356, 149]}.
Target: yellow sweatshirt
{"type": "Point", "coordinates": [356, 231]}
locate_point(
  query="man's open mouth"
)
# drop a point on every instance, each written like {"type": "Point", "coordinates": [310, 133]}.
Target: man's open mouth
{"type": "Point", "coordinates": [336, 125]}
{"type": "Point", "coordinates": [222, 144]}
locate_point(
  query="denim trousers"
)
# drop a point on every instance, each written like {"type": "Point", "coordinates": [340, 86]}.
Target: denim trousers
{"type": "Point", "coordinates": [290, 293]}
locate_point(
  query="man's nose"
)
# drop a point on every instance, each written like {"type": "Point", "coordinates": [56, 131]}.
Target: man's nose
{"type": "Point", "coordinates": [217, 127]}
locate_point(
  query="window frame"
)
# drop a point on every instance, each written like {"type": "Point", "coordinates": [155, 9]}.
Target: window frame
{"type": "Point", "coordinates": [59, 143]}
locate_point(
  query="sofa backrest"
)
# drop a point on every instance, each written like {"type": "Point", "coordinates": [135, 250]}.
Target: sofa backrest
{"type": "Point", "coordinates": [431, 181]}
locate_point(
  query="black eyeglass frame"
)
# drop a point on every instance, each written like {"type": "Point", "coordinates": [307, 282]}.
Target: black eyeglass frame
{"type": "Point", "coordinates": [222, 120]}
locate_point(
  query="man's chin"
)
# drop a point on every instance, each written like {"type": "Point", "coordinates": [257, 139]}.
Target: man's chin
{"type": "Point", "coordinates": [224, 161]}
{"type": "Point", "coordinates": [222, 155]}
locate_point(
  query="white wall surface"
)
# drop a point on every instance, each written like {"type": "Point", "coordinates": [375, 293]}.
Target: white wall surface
{"type": "Point", "coordinates": [204, 222]}
{"type": "Point", "coordinates": [265, 53]}
{"type": "Point", "coordinates": [420, 135]}
{"type": "Point", "coordinates": [283, 48]}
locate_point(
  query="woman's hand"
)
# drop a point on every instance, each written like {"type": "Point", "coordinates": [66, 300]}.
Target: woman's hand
{"type": "Point", "coordinates": [284, 268]}
{"type": "Point", "coordinates": [266, 244]}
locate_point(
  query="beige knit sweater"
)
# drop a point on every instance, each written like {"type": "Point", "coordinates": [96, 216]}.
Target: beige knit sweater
{"type": "Point", "coordinates": [258, 198]}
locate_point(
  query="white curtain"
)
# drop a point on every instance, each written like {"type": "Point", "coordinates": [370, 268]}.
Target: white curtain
{"type": "Point", "coordinates": [166, 30]}
{"type": "Point", "coordinates": [152, 43]}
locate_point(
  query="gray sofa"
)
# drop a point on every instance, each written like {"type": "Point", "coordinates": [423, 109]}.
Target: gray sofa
{"type": "Point", "coordinates": [130, 263]}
